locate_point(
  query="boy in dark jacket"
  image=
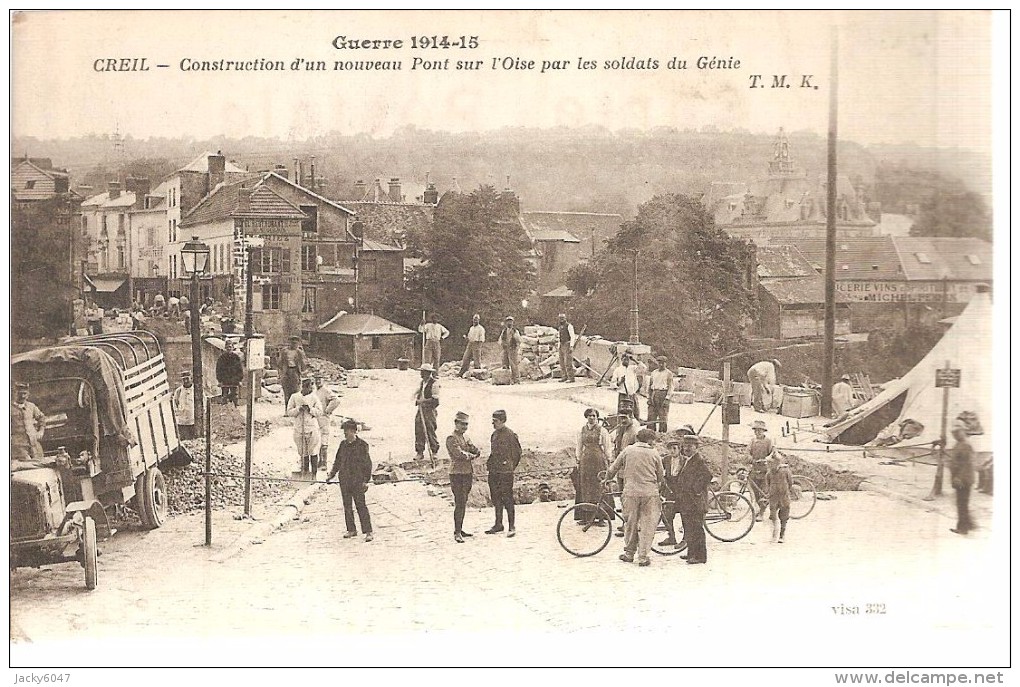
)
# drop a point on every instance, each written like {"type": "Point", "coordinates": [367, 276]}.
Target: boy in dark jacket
{"type": "Point", "coordinates": [354, 467]}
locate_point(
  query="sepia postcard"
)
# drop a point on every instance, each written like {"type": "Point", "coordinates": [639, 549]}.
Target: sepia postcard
{"type": "Point", "coordinates": [379, 338]}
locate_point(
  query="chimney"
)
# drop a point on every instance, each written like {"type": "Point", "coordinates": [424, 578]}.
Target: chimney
{"type": "Point", "coordinates": [281, 170]}
{"type": "Point", "coordinates": [359, 189]}
{"type": "Point", "coordinates": [395, 195]}
{"type": "Point", "coordinates": [243, 200]}
{"type": "Point", "coordinates": [431, 196]}
{"type": "Point", "coordinates": [114, 189]}
{"type": "Point", "coordinates": [377, 191]}
{"type": "Point", "coordinates": [312, 180]}
{"type": "Point", "coordinates": [217, 170]}
{"type": "Point", "coordinates": [297, 172]}
{"type": "Point", "coordinates": [510, 197]}
{"type": "Point", "coordinates": [140, 187]}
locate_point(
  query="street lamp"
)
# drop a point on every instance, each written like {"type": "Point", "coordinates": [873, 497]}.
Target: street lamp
{"type": "Point", "coordinates": [195, 258]}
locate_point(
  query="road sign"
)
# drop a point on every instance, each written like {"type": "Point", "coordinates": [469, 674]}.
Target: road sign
{"type": "Point", "coordinates": [947, 378]}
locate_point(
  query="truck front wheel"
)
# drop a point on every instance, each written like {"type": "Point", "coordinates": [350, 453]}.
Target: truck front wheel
{"type": "Point", "coordinates": [90, 551]}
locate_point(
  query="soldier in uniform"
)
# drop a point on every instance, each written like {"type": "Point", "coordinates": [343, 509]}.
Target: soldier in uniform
{"type": "Point", "coordinates": [504, 457]}
{"type": "Point", "coordinates": [27, 426]}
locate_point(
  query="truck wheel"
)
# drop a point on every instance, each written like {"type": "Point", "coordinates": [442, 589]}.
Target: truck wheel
{"type": "Point", "coordinates": [90, 552]}
{"type": "Point", "coordinates": [151, 498]}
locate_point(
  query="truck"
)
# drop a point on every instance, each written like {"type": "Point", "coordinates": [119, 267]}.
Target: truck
{"type": "Point", "coordinates": [109, 428]}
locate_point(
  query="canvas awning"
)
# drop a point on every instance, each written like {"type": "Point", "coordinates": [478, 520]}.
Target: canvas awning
{"type": "Point", "coordinates": [105, 285]}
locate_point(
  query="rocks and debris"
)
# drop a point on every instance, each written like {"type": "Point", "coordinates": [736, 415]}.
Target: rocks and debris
{"type": "Point", "coordinates": [185, 486]}
{"type": "Point", "coordinates": [387, 472]}
{"type": "Point", "coordinates": [228, 424]}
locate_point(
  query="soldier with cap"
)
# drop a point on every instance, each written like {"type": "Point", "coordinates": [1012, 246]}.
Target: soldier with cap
{"type": "Point", "coordinates": [229, 372]}
{"type": "Point", "coordinates": [510, 342]}
{"type": "Point", "coordinates": [660, 385]}
{"type": "Point", "coordinates": [762, 376]}
{"type": "Point", "coordinates": [305, 408]}
{"type": "Point", "coordinates": [183, 400]}
{"type": "Point", "coordinates": [291, 364]}
{"type": "Point", "coordinates": [504, 457]}
{"type": "Point", "coordinates": [426, 398]}
{"type": "Point", "coordinates": [692, 499]}
{"type": "Point", "coordinates": [353, 467]}
{"type": "Point", "coordinates": [27, 426]}
{"type": "Point", "coordinates": [462, 452]}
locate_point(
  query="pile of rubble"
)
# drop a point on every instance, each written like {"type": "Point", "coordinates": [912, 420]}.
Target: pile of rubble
{"type": "Point", "coordinates": [185, 486]}
{"type": "Point", "coordinates": [228, 424]}
{"type": "Point", "coordinates": [335, 376]}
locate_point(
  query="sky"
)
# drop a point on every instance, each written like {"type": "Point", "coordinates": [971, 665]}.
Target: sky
{"type": "Point", "coordinates": [904, 77]}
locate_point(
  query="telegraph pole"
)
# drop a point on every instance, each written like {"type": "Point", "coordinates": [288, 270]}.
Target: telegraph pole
{"type": "Point", "coordinates": [830, 233]}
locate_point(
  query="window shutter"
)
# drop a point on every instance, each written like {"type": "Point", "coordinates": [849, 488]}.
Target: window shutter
{"type": "Point", "coordinates": [255, 260]}
{"type": "Point", "coordinates": [256, 300]}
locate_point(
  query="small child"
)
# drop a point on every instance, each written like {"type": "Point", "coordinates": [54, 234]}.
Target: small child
{"type": "Point", "coordinates": [778, 486]}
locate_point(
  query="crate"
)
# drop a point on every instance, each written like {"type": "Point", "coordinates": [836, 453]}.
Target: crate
{"type": "Point", "coordinates": [800, 404]}
{"type": "Point", "coordinates": [682, 397]}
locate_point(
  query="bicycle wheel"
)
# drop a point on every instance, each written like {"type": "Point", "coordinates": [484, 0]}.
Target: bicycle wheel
{"type": "Point", "coordinates": [802, 497]}
{"type": "Point", "coordinates": [729, 516]}
{"type": "Point", "coordinates": [661, 545]}
{"type": "Point", "coordinates": [584, 529]}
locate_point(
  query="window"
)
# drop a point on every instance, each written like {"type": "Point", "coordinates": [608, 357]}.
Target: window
{"type": "Point", "coordinates": [121, 246]}
{"type": "Point", "coordinates": [30, 184]}
{"type": "Point", "coordinates": [173, 266]}
{"type": "Point", "coordinates": [169, 231]}
{"type": "Point", "coordinates": [973, 259]}
{"type": "Point", "coordinates": [308, 262]}
{"type": "Point", "coordinates": [368, 270]}
{"type": "Point", "coordinates": [150, 236]}
{"type": "Point", "coordinates": [310, 225]}
{"type": "Point", "coordinates": [173, 222]}
{"type": "Point", "coordinates": [271, 297]}
{"type": "Point", "coordinates": [104, 223]}
{"type": "Point", "coordinates": [84, 224]}
{"type": "Point", "coordinates": [308, 299]}
{"type": "Point", "coordinates": [923, 258]}
{"type": "Point", "coordinates": [271, 260]}
{"type": "Point", "coordinates": [376, 343]}
{"type": "Point", "coordinates": [874, 268]}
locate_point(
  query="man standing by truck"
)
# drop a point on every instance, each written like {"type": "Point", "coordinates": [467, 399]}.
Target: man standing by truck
{"type": "Point", "coordinates": [184, 406]}
{"type": "Point", "coordinates": [27, 426]}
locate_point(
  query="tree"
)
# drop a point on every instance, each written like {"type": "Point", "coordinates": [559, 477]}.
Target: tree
{"type": "Point", "coordinates": [474, 260]}
{"type": "Point", "coordinates": [693, 292]}
{"type": "Point", "coordinates": [954, 213]}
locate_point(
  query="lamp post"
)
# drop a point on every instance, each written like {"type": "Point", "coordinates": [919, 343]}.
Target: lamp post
{"type": "Point", "coordinates": [194, 258]}
{"type": "Point", "coordinates": [635, 334]}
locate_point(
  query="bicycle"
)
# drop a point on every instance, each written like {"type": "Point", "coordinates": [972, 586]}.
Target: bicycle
{"type": "Point", "coordinates": [729, 517]}
{"type": "Point", "coordinates": [802, 497]}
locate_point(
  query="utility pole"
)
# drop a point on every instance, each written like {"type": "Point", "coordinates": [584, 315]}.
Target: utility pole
{"type": "Point", "coordinates": [727, 388]}
{"type": "Point", "coordinates": [249, 335]}
{"type": "Point", "coordinates": [830, 233]}
{"type": "Point", "coordinates": [635, 333]}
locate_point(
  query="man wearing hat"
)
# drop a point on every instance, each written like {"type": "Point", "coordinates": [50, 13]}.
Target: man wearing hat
{"type": "Point", "coordinates": [660, 384]}
{"type": "Point", "coordinates": [426, 398]}
{"type": "Point", "coordinates": [762, 376]}
{"type": "Point", "coordinates": [692, 499]}
{"type": "Point", "coordinates": [354, 467]}
{"type": "Point", "coordinates": [291, 364]}
{"type": "Point", "coordinates": [183, 400]}
{"type": "Point", "coordinates": [842, 397]}
{"type": "Point", "coordinates": [433, 334]}
{"type": "Point", "coordinates": [329, 402]}
{"type": "Point", "coordinates": [305, 408]}
{"type": "Point", "coordinates": [566, 338]}
{"type": "Point", "coordinates": [504, 457]}
{"type": "Point", "coordinates": [510, 342]}
{"type": "Point", "coordinates": [641, 469]}
{"type": "Point", "coordinates": [27, 426]}
{"type": "Point", "coordinates": [671, 466]}
{"type": "Point", "coordinates": [462, 452]}
{"type": "Point", "coordinates": [760, 449]}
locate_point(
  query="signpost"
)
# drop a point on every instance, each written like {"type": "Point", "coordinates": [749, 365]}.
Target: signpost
{"type": "Point", "coordinates": [946, 378]}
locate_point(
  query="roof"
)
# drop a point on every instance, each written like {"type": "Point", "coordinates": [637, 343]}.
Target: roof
{"type": "Point", "coordinates": [559, 292]}
{"type": "Point", "coordinates": [570, 227]}
{"type": "Point", "coordinates": [370, 245]}
{"type": "Point", "coordinates": [41, 164]}
{"type": "Point", "coordinates": [856, 258]}
{"type": "Point", "coordinates": [308, 192]}
{"type": "Point", "coordinates": [223, 203]}
{"type": "Point", "coordinates": [347, 324]}
{"type": "Point", "coordinates": [392, 222]}
{"type": "Point", "coordinates": [799, 290]}
{"type": "Point", "coordinates": [926, 258]}
{"type": "Point", "coordinates": [107, 285]}
{"type": "Point", "coordinates": [201, 164]}
{"type": "Point", "coordinates": [783, 261]}
{"type": "Point", "coordinates": [103, 200]}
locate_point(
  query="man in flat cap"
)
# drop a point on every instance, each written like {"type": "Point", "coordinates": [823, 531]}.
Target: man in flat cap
{"type": "Point", "coordinates": [567, 338]}
{"type": "Point", "coordinates": [353, 465]}
{"type": "Point", "coordinates": [27, 426]}
{"type": "Point", "coordinates": [510, 342]}
{"type": "Point", "coordinates": [426, 398]}
{"type": "Point", "coordinates": [660, 384]}
{"type": "Point", "coordinates": [462, 452]}
{"type": "Point", "coordinates": [504, 457]}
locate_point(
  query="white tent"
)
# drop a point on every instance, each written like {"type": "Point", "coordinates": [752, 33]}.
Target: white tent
{"type": "Point", "coordinates": [967, 346]}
